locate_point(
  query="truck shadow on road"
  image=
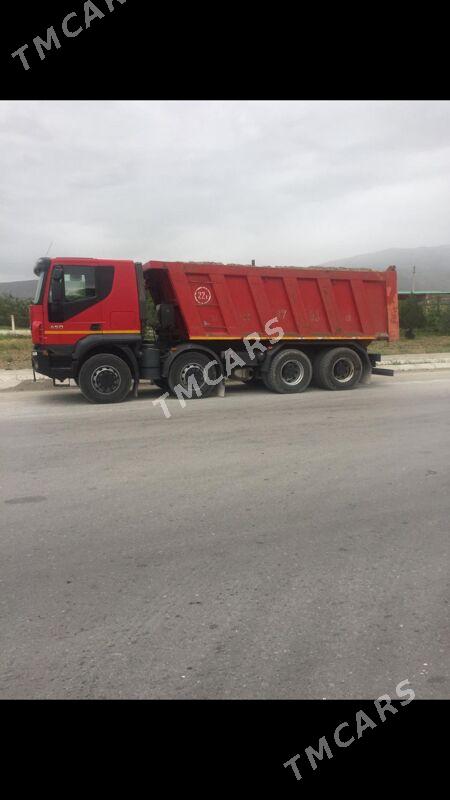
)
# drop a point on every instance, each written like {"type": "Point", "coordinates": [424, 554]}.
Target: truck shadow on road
{"type": "Point", "coordinates": [71, 395]}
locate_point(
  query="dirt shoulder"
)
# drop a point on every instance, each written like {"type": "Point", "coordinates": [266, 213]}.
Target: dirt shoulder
{"type": "Point", "coordinates": [15, 352]}
{"type": "Point", "coordinates": [421, 344]}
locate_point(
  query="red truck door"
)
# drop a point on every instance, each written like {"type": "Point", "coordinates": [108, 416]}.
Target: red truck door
{"type": "Point", "coordinates": [81, 308]}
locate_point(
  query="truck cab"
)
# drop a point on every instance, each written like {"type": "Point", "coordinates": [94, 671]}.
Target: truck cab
{"type": "Point", "coordinates": [83, 308]}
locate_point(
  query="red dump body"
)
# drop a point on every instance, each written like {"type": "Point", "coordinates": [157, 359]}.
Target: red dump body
{"type": "Point", "coordinates": [231, 301]}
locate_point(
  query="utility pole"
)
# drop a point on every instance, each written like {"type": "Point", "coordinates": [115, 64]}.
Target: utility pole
{"type": "Point", "coordinates": [413, 279]}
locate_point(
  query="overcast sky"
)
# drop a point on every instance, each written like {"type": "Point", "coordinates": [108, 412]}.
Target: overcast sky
{"type": "Point", "coordinates": [281, 182]}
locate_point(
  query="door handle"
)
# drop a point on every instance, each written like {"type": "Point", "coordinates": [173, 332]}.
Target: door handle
{"type": "Point", "coordinates": [96, 326]}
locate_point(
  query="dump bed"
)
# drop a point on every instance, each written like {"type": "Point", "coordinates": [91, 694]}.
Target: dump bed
{"type": "Point", "coordinates": [230, 301]}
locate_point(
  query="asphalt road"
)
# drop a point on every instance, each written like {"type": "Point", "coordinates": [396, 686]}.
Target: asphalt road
{"type": "Point", "coordinates": [255, 546]}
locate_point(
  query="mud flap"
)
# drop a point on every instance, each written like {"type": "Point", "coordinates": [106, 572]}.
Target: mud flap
{"type": "Point", "coordinates": [221, 388]}
{"type": "Point", "coordinates": [61, 383]}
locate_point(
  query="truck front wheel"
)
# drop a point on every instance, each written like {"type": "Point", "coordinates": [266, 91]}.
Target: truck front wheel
{"type": "Point", "coordinates": [338, 368]}
{"type": "Point", "coordinates": [290, 372]}
{"type": "Point", "coordinates": [105, 378]}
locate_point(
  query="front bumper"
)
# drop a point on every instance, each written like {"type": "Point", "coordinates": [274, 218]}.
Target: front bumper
{"type": "Point", "coordinates": [54, 362]}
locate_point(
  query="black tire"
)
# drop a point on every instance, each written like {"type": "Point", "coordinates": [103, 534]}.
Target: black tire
{"type": "Point", "coordinates": [290, 372]}
{"type": "Point", "coordinates": [105, 378]}
{"type": "Point", "coordinates": [191, 364]}
{"type": "Point", "coordinates": [265, 380]}
{"type": "Point", "coordinates": [337, 368]}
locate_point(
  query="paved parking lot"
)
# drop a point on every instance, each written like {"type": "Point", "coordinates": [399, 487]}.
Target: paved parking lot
{"type": "Point", "coordinates": [256, 545]}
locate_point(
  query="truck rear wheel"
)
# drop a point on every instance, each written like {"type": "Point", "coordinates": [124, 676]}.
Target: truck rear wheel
{"type": "Point", "coordinates": [187, 372]}
{"type": "Point", "coordinates": [290, 372]}
{"type": "Point", "coordinates": [337, 368]}
{"type": "Point", "coordinates": [105, 378]}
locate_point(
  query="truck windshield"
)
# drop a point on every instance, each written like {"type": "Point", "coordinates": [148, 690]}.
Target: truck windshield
{"type": "Point", "coordinates": [38, 294]}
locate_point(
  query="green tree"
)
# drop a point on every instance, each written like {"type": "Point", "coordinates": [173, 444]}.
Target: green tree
{"type": "Point", "coordinates": [412, 315]}
{"type": "Point", "coordinates": [13, 305]}
{"type": "Point", "coordinates": [444, 321]}
{"type": "Point", "coordinates": [149, 328]}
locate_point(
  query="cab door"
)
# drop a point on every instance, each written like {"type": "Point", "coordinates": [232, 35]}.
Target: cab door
{"type": "Point", "coordinates": [76, 306]}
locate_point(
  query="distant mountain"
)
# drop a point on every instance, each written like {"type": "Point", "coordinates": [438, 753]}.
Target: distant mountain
{"type": "Point", "coordinates": [432, 269]}
{"type": "Point", "coordinates": [24, 290]}
{"type": "Point", "coordinates": [432, 265]}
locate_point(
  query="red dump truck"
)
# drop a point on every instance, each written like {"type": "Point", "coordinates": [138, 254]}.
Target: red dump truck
{"type": "Point", "coordinates": [285, 326]}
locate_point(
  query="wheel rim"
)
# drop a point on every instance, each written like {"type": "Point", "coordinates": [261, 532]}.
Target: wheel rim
{"type": "Point", "coordinates": [292, 372]}
{"type": "Point", "coordinates": [106, 379]}
{"type": "Point", "coordinates": [196, 371]}
{"type": "Point", "coordinates": [343, 370]}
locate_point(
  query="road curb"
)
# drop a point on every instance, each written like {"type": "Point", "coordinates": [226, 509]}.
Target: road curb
{"type": "Point", "coordinates": [418, 367]}
{"type": "Point", "coordinates": [419, 362]}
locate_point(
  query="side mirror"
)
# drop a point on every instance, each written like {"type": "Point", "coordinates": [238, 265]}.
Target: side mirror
{"type": "Point", "coordinates": [58, 285]}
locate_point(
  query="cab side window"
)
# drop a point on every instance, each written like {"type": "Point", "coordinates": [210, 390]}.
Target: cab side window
{"type": "Point", "coordinates": [83, 287]}
{"type": "Point", "coordinates": [79, 283]}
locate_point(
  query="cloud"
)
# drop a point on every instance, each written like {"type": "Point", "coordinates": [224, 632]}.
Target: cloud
{"type": "Point", "coordinates": [281, 182]}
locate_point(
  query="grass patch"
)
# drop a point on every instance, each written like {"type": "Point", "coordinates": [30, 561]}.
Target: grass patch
{"type": "Point", "coordinates": [15, 352]}
{"type": "Point", "coordinates": [423, 343]}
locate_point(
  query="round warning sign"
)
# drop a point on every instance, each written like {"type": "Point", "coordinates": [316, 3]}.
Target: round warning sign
{"type": "Point", "coordinates": [202, 295]}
